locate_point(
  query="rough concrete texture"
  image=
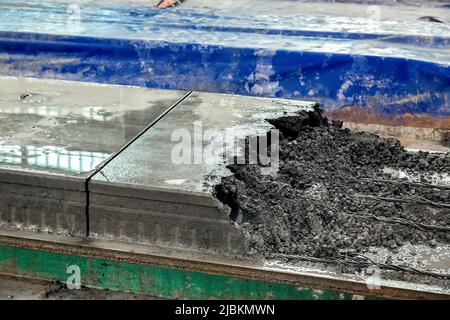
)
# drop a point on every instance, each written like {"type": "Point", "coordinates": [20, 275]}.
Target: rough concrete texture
{"type": "Point", "coordinates": [332, 186]}
{"type": "Point", "coordinates": [164, 223]}
{"type": "Point", "coordinates": [165, 218]}
{"type": "Point", "coordinates": [42, 210]}
{"type": "Point", "coordinates": [202, 129]}
{"type": "Point", "coordinates": [42, 203]}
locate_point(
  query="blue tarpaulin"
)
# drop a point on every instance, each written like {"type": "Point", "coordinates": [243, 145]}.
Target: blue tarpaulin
{"type": "Point", "coordinates": [391, 71]}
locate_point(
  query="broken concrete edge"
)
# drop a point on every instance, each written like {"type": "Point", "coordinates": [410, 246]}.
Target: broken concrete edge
{"type": "Point", "coordinates": [59, 248]}
{"type": "Point", "coordinates": [244, 180]}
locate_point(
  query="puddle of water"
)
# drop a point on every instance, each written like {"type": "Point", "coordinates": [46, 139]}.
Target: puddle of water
{"type": "Point", "coordinates": [51, 158]}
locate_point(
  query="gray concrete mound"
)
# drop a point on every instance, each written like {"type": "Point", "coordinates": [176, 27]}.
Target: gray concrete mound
{"type": "Point", "coordinates": [339, 192]}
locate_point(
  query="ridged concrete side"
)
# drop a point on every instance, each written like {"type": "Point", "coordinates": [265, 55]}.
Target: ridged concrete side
{"type": "Point", "coordinates": [52, 204]}
{"type": "Point", "coordinates": [167, 219]}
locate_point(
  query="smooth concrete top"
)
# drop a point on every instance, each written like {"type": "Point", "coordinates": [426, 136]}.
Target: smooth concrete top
{"type": "Point", "coordinates": [69, 128]}
{"type": "Point", "coordinates": [187, 149]}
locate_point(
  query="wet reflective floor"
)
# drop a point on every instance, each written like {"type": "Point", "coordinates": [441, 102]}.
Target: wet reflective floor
{"type": "Point", "coordinates": [188, 149]}
{"type": "Point", "coordinates": [69, 127]}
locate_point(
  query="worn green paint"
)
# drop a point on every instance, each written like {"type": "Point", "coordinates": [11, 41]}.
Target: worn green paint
{"type": "Point", "coordinates": [155, 280]}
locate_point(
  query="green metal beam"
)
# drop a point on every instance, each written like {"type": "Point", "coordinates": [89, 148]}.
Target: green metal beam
{"type": "Point", "coordinates": [160, 281]}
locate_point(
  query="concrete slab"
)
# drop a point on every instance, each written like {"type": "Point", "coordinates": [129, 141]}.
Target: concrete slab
{"type": "Point", "coordinates": [69, 128]}
{"type": "Point", "coordinates": [147, 194]}
{"type": "Point", "coordinates": [53, 135]}
{"type": "Point", "coordinates": [209, 121]}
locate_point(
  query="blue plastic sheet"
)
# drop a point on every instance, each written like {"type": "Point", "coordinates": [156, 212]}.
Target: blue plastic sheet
{"type": "Point", "coordinates": [391, 73]}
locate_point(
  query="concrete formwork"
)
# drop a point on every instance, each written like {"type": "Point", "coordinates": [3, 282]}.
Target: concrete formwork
{"type": "Point", "coordinates": [147, 194]}
{"type": "Point", "coordinates": [102, 168]}
{"type": "Point", "coordinates": [39, 202]}
{"type": "Point", "coordinates": [54, 134]}
{"type": "Point", "coordinates": [137, 195]}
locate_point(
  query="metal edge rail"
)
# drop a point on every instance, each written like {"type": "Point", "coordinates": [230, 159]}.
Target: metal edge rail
{"type": "Point", "coordinates": [177, 278]}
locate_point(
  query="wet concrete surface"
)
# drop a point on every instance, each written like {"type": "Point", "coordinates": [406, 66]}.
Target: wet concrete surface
{"type": "Point", "coordinates": [187, 149]}
{"type": "Point", "coordinates": [159, 190]}
{"type": "Point", "coordinates": [143, 195]}
{"type": "Point", "coordinates": [68, 127]}
{"type": "Point", "coordinates": [52, 135]}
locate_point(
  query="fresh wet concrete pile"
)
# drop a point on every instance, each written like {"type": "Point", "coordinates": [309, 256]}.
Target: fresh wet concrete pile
{"type": "Point", "coordinates": [337, 192]}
